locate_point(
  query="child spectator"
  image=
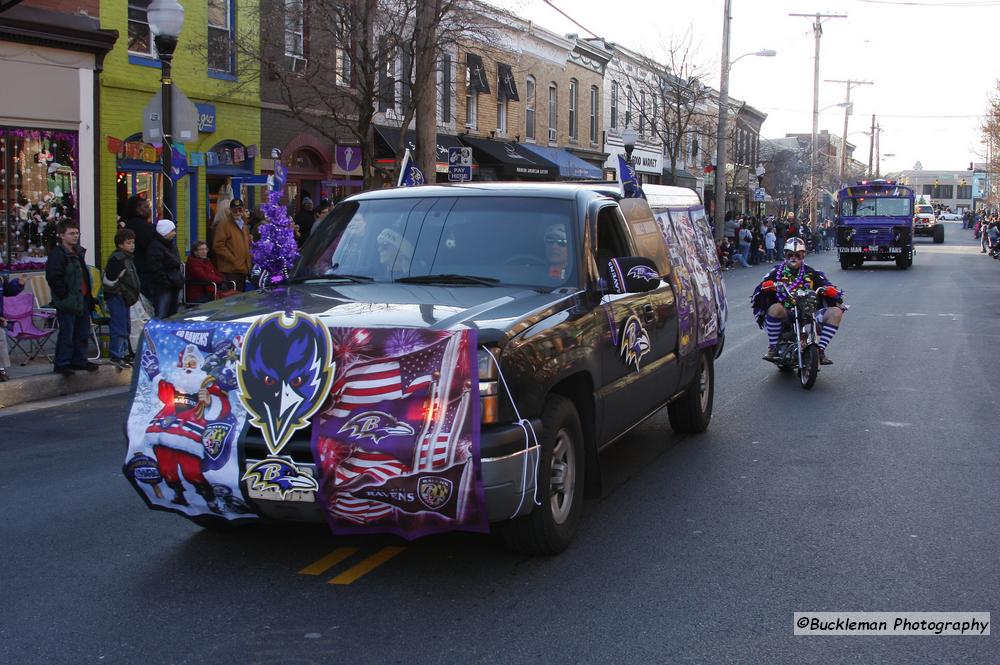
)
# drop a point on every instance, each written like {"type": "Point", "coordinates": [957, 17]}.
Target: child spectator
{"type": "Point", "coordinates": [8, 288]}
{"type": "Point", "coordinates": [770, 239]}
{"type": "Point", "coordinates": [68, 278]}
{"type": "Point", "coordinates": [121, 291]}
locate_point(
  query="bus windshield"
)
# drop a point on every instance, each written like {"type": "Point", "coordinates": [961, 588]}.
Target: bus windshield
{"type": "Point", "coordinates": [876, 207]}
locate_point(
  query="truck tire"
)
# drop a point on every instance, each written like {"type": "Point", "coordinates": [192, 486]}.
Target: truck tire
{"type": "Point", "coordinates": [550, 527]}
{"type": "Point", "coordinates": [904, 262]}
{"type": "Point", "coordinates": [845, 262]}
{"type": "Point", "coordinates": [692, 412]}
{"type": "Point", "coordinates": [938, 234]}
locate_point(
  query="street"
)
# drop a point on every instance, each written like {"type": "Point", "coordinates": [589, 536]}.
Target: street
{"type": "Point", "coordinates": [875, 491]}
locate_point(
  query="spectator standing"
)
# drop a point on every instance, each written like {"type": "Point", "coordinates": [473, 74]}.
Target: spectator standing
{"type": "Point", "coordinates": [745, 238]}
{"type": "Point", "coordinates": [8, 288]}
{"type": "Point", "coordinates": [200, 269]}
{"type": "Point", "coordinates": [68, 278]}
{"type": "Point", "coordinates": [770, 239]}
{"type": "Point", "coordinates": [304, 220]}
{"type": "Point", "coordinates": [781, 230]}
{"type": "Point", "coordinates": [121, 291]}
{"type": "Point", "coordinates": [165, 269]}
{"type": "Point", "coordinates": [231, 245]}
{"type": "Point", "coordinates": [138, 220]}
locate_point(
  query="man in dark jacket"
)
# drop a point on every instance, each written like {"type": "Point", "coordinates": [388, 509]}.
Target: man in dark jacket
{"type": "Point", "coordinates": [164, 263]}
{"type": "Point", "coordinates": [304, 220]}
{"type": "Point", "coordinates": [138, 220]}
{"type": "Point", "coordinates": [68, 278]}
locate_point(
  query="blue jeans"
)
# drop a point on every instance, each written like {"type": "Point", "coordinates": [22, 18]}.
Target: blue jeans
{"type": "Point", "coordinates": [165, 303]}
{"type": "Point", "coordinates": [71, 343]}
{"type": "Point", "coordinates": [739, 258]}
{"type": "Point", "coordinates": [119, 326]}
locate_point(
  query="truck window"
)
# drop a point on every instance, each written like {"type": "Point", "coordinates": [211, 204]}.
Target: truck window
{"type": "Point", "coordinates": [610, 238]}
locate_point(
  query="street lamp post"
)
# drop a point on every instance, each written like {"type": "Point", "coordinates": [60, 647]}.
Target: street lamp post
{"type": "Point", "coordinates": [721, 137]}
{"type": "Point", "coordinates": [628, 140]}
{"type": "Point", "coordinates": [166, 17]}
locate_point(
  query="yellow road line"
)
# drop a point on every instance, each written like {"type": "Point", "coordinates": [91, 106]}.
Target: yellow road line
{"type": "Point", "coordinates": [366, 566]}
{"type": "Point", "coordinates": [329, 561]}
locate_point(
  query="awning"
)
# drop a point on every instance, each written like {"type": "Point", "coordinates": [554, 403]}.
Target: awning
{"type": "Point", "coordinates": [386, 148]}
{"type": "Point", "coordinates": [680, 177]}
{"type": "Point", "coordinates": [506, 83]}
{"type": "Point", "coordinates": [512, 160]}
{"type": "Point", "coordinates": [570, 166]}
{"type": "Point", "coordinates": [476, 73]}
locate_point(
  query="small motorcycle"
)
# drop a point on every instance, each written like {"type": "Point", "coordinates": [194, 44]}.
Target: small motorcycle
{"type": "Point", "coordinates": [798, 346]}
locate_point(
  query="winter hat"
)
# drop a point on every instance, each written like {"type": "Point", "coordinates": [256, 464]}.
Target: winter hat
{"type": "Point", "coordinates": [164, 227]}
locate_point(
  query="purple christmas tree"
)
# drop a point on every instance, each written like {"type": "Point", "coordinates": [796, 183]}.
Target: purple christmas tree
{"type": "Point", "coordinates": [276, 252]}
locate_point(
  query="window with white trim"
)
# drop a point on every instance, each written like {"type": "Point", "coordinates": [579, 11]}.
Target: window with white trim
{"type": "Point", "coordinates": [471, 107]}
{"type": "Point", "coordinates": [221, 46]}
{"type": "Point", "coordinates": [343, 53]}
{"type": "Point", "coordinates": [628, 107]}
{"type": "Point", "coordinates": [593, 113]}
{"type": "Point", "coordinates": [642, 113]}
{"type": "Point", "coordinates": [444, 89]}
{"type": "Point", "coordinates": [295, 35]}
{"type": "Point", "coordinates": [501, 114]}
{"type": "Point", "coordinates": [529, 108]}
{"type": "Point", "coordinates": [573, 99]}
{"type": "Point", "coordinates": [140, 38]}
{"type": "Point", "coordinates": [614, 105]}
{"type": "Point", "coordinates": [553, 112]}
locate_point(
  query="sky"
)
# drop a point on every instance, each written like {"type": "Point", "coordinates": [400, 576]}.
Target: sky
{"type": "Point", "coordinates": [932, 63]}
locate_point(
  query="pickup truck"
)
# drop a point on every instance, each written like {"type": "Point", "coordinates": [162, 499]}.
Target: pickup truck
{"type": "Point", "coordinates": [925, 221]}
{"type": "Point", "coordinates": [591, 313]}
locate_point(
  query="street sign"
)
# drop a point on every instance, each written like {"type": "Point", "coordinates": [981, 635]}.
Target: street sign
{"type": "Point", "coordinates": [459, 164]}
{"type": "Point", "coordinates": [185, 118]}
{"type": "Point", "coordinates": [758, 194]}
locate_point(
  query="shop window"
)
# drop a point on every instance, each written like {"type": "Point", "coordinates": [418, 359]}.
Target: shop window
{"type": "Point", "coordinates": [38, 189]}
{"type": "Point", "coordinates": [140, 38]}
{"type": "Point", "coordinates": [221, 47]}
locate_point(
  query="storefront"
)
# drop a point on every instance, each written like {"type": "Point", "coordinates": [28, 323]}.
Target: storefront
{"type": "Point", "coordinates": [648, 164]}
{"type": "Point", "coordinates": [47, 173]}
{"type": "Point", "coordinates": [570, 166]}
{"type": "Point", "coordinates": [387, 144]}
{"type": "Point", "coordinates": [506, 160]}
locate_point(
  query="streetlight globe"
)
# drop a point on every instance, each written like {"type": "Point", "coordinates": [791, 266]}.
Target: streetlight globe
{"type": "Point", "coordinates": [166, 17]}
{"type": "Point", "coordinates": [628, 138]}
{"type": "Point", "coordinates": [766, 53]}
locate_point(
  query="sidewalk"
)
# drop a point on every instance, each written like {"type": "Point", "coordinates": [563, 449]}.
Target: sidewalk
{"type": "Point", "coordinates": [36, 381]}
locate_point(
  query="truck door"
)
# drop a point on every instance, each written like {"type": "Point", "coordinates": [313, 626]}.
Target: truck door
{"type": "Point", "coordinates": [637, 348]}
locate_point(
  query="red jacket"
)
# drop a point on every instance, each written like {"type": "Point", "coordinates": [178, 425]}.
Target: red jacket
{"type": "Point", "coordinates": [202, 270]}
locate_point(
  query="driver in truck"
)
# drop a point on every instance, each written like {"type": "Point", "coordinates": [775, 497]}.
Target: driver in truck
{"type": "Point", "coordinates": [774, 296]}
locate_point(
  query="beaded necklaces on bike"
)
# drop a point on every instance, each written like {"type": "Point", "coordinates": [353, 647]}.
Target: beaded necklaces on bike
{"type": "Point", "coordinates": [785, 273]}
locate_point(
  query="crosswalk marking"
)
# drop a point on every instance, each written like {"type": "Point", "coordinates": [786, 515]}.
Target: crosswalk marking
{"type": "Point", "coordinates": [329, 561]}
{"type": "Point", "coordinates": [367, 565]}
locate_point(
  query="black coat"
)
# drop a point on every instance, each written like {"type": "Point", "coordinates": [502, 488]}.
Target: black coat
{"type": "Point", "coordinates": [145, 234]}
{"type": "Point", "coordinates": [163, 263]}
{"type": "Point", "coordinates": [65, 280]}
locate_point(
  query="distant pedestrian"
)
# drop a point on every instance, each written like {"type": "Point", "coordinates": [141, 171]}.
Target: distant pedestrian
{"type": "Point", "coordinates": [139, 220]}
{"type": "Point", "coordinates": [121, 291]}
{"type": "Point", "coordinates": [304, 220]}
{"type": "Point", "coordinates": [769, 242]}
{"type": "Point", "coordinates": [69, 280]}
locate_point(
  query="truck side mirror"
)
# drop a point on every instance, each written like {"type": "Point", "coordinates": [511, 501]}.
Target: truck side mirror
{"type": "Point", "coordinates": [633, 274]}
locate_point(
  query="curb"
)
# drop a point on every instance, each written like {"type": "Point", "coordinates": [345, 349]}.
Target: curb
{"type": "Point", "coordinates": [49, 385]}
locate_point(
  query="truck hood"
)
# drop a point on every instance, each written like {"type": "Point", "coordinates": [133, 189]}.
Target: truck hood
{"type": "Point", "coordinates": [491, 310]}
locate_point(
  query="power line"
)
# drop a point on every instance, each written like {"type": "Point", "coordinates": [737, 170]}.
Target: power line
{"type": "Point", "coordinates": [570, 18]}
{"type": "Point", "coordinates": [881, 115]}
{"type": "Point", "coordinates": [911, 3]}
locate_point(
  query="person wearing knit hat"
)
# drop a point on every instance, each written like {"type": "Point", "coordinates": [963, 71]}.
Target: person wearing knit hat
{"type": "Point", "coordinates": [165, 269]}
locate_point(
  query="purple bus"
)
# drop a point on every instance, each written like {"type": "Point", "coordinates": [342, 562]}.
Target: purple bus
{"type": "Point", "coordinates": [875, 223]}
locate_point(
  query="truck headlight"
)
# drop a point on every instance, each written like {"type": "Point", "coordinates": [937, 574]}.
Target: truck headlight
{"type": "Point", "coordinates": [489, 387]}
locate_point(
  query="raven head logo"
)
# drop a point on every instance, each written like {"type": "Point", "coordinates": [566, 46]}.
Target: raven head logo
{"type": "Point", "coordinates": [285, 373]}
{"type": "Point", "coordinates": [643, 272]}
{"type": "Point", "coordinates": [375, 425]}
{"type": "Point", "coordinates": [278, 474]}
{"type": "Point", "coordinates": [635, 342]}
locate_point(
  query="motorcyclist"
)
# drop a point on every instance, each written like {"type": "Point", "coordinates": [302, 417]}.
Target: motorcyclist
{"type": "Point", "coordinates": [773, 297]}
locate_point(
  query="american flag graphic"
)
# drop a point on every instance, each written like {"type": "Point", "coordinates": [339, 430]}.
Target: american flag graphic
{"type": "Point", "coordinates": [359, 511]}
{"type": "Point", "coordinates": [365, 384]}
{"type": "Point", "coordinates": [433, 450]}
{"type": "Point", "coordinates": [379, 466]}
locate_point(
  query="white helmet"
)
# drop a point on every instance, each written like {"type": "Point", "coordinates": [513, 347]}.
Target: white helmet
{"type": "Point", "coordinates": [795, 245]}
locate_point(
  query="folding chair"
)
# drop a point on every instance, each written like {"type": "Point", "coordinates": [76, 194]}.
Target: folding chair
{"type": "Point", "coordinates": [24, 335]}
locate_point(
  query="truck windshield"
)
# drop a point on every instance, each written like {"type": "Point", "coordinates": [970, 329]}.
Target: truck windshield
{"type": "Point", "coordinates": [516, 241]}
{"type": "Point", "coordinates": [876, 207]}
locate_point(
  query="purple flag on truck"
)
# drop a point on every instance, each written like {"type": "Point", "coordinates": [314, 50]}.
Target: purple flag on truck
{"type": "Point", "coordinates": [398, 444]}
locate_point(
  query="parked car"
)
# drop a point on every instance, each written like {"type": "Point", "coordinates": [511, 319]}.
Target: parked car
{"type": "Point", "coordinates": [950, 217]}
{"type": "Point", "coordinates": [591, 314]}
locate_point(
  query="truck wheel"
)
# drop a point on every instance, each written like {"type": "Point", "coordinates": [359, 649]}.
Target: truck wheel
{"type": "Point", "coordinates": [550, 527]}
{"type": "Point", "coordinates": [938, 234]}
{"type": "Point", "coordinates": [692, 412]}
{"type": "Point", "coordinates": [845, 262]}
{"type": "Point", "coordinates": [903, 262]}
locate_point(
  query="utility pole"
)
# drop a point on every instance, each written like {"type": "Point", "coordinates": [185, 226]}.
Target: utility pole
{"type": "Point", "coordinates": [818, 32]}
{"type": "Point", "coordinates": [878, 153]}
{"type": "Point", "coordinates": [719, 214]}
{"type": "Point", "coordinates": [871, 148]}
{"type": "Point", "coordinates": [847, 112]}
